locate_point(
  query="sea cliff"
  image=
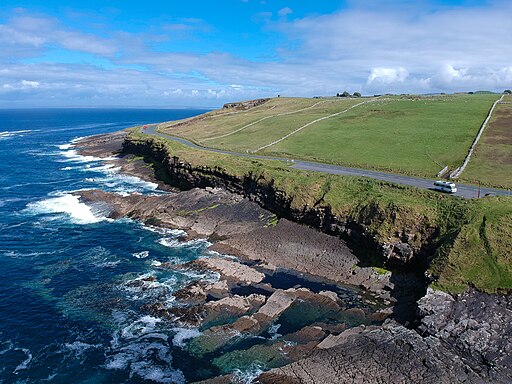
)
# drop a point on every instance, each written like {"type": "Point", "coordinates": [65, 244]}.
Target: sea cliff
{"type": "Point", "coordinates": [427, 337]}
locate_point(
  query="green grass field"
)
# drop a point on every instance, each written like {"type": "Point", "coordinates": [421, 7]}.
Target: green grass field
{"type": "Point", "coordinates": [416, 135]}
{"type": "Point", "coordinates": [491, 163]}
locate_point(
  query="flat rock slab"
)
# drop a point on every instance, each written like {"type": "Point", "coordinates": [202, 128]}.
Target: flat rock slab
{"type": "Point", "coordinates": [231, 270]}
{"type": "Point", "coordinates": [300, 248]}
{"type": "Point", "coordinates": [463, 339]}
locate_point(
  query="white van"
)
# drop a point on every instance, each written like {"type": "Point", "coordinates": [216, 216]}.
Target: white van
{"type": "Point", "coordinates": [445, 186]}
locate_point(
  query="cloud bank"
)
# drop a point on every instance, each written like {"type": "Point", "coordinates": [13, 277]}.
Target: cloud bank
{"type": "Point", "coordinates": [386, 48]}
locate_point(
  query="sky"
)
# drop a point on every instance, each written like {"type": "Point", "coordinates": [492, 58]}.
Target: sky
{"type": "Point", "coordinates": [172, 53]}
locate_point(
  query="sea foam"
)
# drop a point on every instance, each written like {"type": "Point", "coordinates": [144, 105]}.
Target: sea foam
{"type": "Point", "coordinates": [70, 205]}
{"type": "Point", "coordinates": [141, 255]}
{"type": "Point", "coordinates": [249, 375]}
{"type": "Point", "coordinates": [192, 244]}
{"type": "Point", "coordinates": [183, 334]}
{"type": "Point", "coordinates": [9, 134]}
{"type": "Point", "coordinates": [143, 351]}
{"type": "Point", "coordinates": [24, 364]}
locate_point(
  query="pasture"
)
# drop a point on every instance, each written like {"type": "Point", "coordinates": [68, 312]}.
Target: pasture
{"type": "Point", "coordinates": [491, 163]}
{"type": "Point", "coordinates": [415, 135]}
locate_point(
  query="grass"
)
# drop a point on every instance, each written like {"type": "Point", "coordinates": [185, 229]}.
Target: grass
{"type": "Point", "coordinates": [416, 135]}
{"type": "Point", "coordinates": [481, 256]}
{"type": "Point", "coordinates": [491, 163]}
{"type": "Point", "coordinates": [381, 271]}
{"type": "Point", "coordinates": [475, 235]}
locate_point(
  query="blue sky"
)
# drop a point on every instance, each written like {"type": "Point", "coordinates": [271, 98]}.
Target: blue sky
{"type": "Point", "coordinates": [205, 53]}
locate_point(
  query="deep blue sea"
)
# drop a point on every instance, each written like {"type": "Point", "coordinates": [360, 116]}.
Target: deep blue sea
{"type": "Point", "coordinates": [69, 298]}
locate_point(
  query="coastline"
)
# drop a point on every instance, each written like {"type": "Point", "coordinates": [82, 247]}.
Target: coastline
{"type": "Point", "coordinates": [244, 230]}
{"type": "Point", "coordinates": [252, 234]}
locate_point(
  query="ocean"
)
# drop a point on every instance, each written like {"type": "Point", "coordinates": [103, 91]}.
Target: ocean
{"type": "Point", "coordinates": [74, 283]}
{"type": "Point", "coordinates": [69, 298]}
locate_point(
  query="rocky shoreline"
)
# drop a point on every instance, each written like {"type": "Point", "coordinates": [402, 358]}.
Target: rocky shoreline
{"type": "Point", "coordinates": [442, 338]}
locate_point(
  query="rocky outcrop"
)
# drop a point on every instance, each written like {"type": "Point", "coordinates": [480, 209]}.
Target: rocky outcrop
{"type": "Point", "coordinates": [244, 105]}
{"type": "Point", "coordinates": [231, 269]}
{"type": "Point", "coordinates": [462, 339]}
{"type": "Point", "coordinates": [240, 227]}
{"type": "Point", "coordinates": [408, 246]}
{"type": "Point", "coordinates": [279, 302]}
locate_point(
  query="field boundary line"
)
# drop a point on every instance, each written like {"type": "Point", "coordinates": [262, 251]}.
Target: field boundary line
{"type": "Point", "coordinates": [459, 170]}
{"type": "Point", "coordinates": [260, 120]}
{"type": "Point", "coordinates": [311, 123]}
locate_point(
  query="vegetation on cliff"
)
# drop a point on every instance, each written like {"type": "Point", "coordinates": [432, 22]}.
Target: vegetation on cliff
{"type": "Point", "coordinates": [461, 242]}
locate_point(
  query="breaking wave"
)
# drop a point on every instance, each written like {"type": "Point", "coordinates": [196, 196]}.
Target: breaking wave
{"type": "Point", "coordinates": [141, 347]}
{"type": "Point", "coordinates": [69, 205]}
{"type": "Point", "coordinates": [183, 334]}
{"type": "Point", "coordinates": [10, 134]}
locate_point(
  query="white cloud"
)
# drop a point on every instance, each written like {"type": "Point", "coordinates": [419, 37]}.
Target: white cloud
{"type": "Point", "coordinates": [23, 35]}
{"type": "Point", "coordinates": [366, 49]}
{"type": "Point", "coordinates": [283, 12]}
{"type": "Point", "coordinates": [411, 47]}
{"type": "Point", "coordinates": [388, 75]}
{"type": "Point", "coordinates": [30, 84]}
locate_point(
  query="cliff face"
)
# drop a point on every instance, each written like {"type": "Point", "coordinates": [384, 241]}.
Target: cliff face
{"type": "Point", "coordinates": [408, 245]}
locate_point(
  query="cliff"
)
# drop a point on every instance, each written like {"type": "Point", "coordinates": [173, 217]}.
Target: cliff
{"type": "Point", "coordinates": [387, 235]}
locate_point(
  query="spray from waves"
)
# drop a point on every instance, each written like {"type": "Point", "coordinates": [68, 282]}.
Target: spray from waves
{"type": "Point", "coordinates": [69, 205]}
{"type": "Point", "coordinates": [141, 347]}
{"type": "Point", "coordinates": [78, 348]}
{"type": "Point", "coordinates": [123, 184]}
{"type": "Point", "coordinates": [141, 255]}
{"type": "Point", "coordinates": [249, 375]}
{"type": "Point", "coordinates": [272, 331]}
{"type": "Point", "coordinates": [164, 231]}
{"type": "Point", "coordinates": [192, 244]}
{"type": "Point", "coordinates": [183, 334]}
{"type": "Point", "coordinates": [72, 156]}
{"type": "Point", "coordinates": [146, 324]}
{"type": "Point", "coordinates": [17, 254]}
{"type": "Point", "coordinates": [148, 286]}
{"type": "Point", "coordinates": [111, 179]}
{"type": "Point", "coordinates": [99, 257]}
{"type": "Point", "coordinates": [10, 134]}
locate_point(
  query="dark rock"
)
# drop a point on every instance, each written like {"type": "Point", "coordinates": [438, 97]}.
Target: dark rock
{"type": "Point", "coordinates": [463, 339]}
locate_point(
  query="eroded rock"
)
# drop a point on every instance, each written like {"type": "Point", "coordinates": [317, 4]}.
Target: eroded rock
{"type": "Point", "coordinates": [463, 339]}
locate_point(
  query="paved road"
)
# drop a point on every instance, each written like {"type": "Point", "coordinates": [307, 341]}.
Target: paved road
{"type": "Point", "coordinates": [463, 190]}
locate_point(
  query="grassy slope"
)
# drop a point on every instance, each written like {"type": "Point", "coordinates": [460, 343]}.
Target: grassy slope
{"type": "Point", "coordinates": [481, 254]}
{"type": "Point", "coordinates": [491, 163]}
{"type": "Point", "coordinates": [224, 121]}
{"type": "Point", "coordinates": [412, 135]}
{"type": "Point", "coordinates": [474, 254]}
